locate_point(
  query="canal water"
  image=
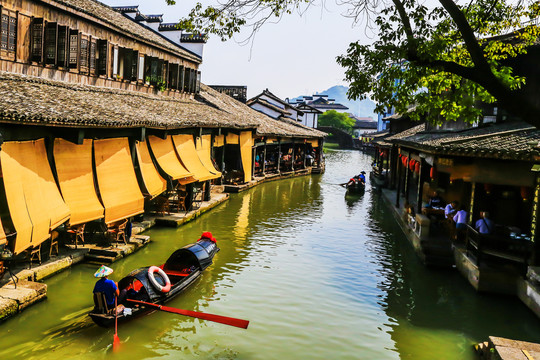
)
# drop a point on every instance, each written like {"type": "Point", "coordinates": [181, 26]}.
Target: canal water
{"type": "Point", "coordinates": [318, 274]}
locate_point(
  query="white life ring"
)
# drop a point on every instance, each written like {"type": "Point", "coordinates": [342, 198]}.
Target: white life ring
{"type": "Point", "coordinates": [153, 281]}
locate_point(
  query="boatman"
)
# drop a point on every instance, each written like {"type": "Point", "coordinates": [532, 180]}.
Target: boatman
{"type": "Point", "coordinates": [106, 286]}
{"type": "Point", "coordinates": [362, 177]}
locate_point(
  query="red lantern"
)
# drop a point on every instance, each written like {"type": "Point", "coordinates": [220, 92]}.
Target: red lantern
{"type": "Point", "coordinates": [432, 172]}
{"type": "Point", "coordinates": [411, 164]}
{"type": "Point", "coordinates": [525, 192]}
{"type": "Point", "coordinates": [417, 167]}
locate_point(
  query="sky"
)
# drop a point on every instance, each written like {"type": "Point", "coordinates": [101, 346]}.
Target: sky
{"type": "Point", "coordinates": [296, 56]}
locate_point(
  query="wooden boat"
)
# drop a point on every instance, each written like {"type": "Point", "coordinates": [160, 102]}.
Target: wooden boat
{"type": "Point", "coordinates": [355, 187]}
{"type": "Point", "coordinates": [147, 284]}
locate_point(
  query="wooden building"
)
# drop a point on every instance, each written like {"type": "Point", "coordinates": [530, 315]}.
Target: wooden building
{"type": "Point", "coordinates": [94, 97]}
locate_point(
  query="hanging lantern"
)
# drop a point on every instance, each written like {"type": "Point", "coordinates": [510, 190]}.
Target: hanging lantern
{"type": "Point", "coordinates": [432, 172]}
{"type": "Point", "coordinates": [417, 167]}
{"type": "Point", "coordinates": [488, 188]}
{"type": "Point", "coordinates": [525, 192]}
{"type": "Point", "coordinates": [411, 165]}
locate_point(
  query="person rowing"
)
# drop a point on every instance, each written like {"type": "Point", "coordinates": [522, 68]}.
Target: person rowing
{"type": "Point", "coordinates": [106, 286]}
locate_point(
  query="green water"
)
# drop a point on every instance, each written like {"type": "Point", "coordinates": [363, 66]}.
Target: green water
{"type": "Point", "coordinates": [319, 276]}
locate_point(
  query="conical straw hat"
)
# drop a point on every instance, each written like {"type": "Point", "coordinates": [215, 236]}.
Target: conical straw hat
{"type": "Point", "coordinates": [103, 271]}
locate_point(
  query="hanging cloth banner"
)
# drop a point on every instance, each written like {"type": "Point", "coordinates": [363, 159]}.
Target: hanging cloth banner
{"type": "Point", "coordinates": [246, 144]}
{"type": "Point", "coordinates": [232, 139]}
{"type": "Point", "coordinates": [219, 140]}
{"type": "Point", "coordinates": [76, 178]}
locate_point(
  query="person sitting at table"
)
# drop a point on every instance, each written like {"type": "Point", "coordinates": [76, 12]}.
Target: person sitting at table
{"type": "Point", "coordinates": [451, 209]}
{"type": "Point", "coordinates": [435, 201]}
{"type": "Point", "coordinates": [484, 225]}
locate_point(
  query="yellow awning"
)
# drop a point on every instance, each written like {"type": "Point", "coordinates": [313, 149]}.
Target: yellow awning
{"type": "Point", "coordinates": [246, 152]}
{"type": "Point", "coordinates": [185, 149]}
{"type": "Point", "coordinates": [271, 140]}
{"type": "Point", "coordinates": [219, 140]}
{"type": "Point", "coordinates": [76, 177]}
{"type": "Point", "coordinates": [167, 159]}
{"type": "Point", "coordinates": [314, 143]}
{"type": "Point", "coordinates": [204, 150]}
{"type": "Point", "coordinates": [34, 201]}
{"type": "Point", "coordinates": [116, 179]}
{"type": "Point", "coordinates": [153, 182]}
{"type": "Point", "coordinates": [232, 138]}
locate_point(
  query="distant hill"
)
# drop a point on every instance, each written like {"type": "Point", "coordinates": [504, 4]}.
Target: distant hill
{"type": "Point", "coordinates": [362, 108]}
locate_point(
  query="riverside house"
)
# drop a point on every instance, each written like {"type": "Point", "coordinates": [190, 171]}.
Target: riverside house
{"type": "Point", "coordinates": [103, 115]}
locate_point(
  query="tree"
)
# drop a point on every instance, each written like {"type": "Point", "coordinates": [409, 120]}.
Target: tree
{"type": "Point", "coordinates": [337, 120]}
{"type": "Point", "coordinates": [442, 59]}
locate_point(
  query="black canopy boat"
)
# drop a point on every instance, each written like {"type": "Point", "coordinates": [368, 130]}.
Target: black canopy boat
{"type": "Point", "coordinates": [156, 285]}
{"type": "Point", "coordinates": [355, 186]}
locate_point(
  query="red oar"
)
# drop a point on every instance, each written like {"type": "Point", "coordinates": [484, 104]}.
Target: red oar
{"type": "Point", "coordinates": [116, 341]}
{"type": "Point", "coordinates": [205, 316]}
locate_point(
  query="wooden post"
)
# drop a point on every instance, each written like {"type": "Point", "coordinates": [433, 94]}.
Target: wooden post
{"type": "Point", "coordinates": [534, 221]}
{"type": "Point", "coordinates": [305, 151]}
{"type": "Point", "coordinates": [387, 168]}
{"type": "Point", "coordinates": [253, 162]}
{"type": "Point", "coordinates": [207, 188]}
{"type": "Point", "coordinates": [406, 186]}
{"type": "Point", "coordinates": [398, 183]}
{"type": "Point", "coordinates": [471, 208]}
{"type": "Point", "coordinates": [279, 155]}
{"type": "Point", "coordinates": [264, 160]}
{"type": "Point", "coordinates": [292, 157]}
{"type": "Point", "coordinates": [420, 188]}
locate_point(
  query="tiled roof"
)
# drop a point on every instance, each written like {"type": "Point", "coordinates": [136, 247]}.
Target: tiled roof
{"type": "Point", "coordinates": [266, 125]}
{"type": "Point", "coordinates": [268, 105]}
{"type": "Point", "coordinates": [32, 100]}
{"type": "Point", "coordinates": [329, 106]}
{"type": "Point", "coordinates": [511, 140]}
{"type": "Point", "coordinates": [117, 21]}
{"type": "Point", "coordinates": [387, 141]}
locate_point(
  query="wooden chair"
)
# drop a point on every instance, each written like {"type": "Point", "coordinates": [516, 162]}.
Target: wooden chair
{"type": "Point", "coordinates": [54, 243]}
{"type": "Point", "coordinates": [162, 205]}
{"type": "Point", "coordinates": [35, 254]}
{"type": "Point", "coordinates": [180, 200]}
{"type": "Point", "coordinates": [100, 303]}
{"type": "Point", "coordinates": [77, 232]}
{"type": "Point", "coordinates": [117, 231]}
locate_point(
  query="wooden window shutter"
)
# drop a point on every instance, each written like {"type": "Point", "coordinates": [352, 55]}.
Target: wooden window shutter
{"type": "Point", "coordinates": [173, 76]}
{"type": "Point", "coordinates": [38, 28]}
{"type": "Point", "coordinates": [51, 41]}
{"type": "Point", "coordinates": [115, 61]}
{"type": "Point", "coordinates": [186, 79]}
{"type": "Point", "coordinates": [84, 53]}
{"type": "Point", "coordinates": [198, 87]}
{"type": "Point", "coordinates": [8, 33]}
{"type": "Point", "coordinates": [134, 65]}
{"type": "Point", "coordinates": [181, 77]}
{"type": "Point", "coordinates": [140, 75]}
{"type": "Point", "coordinates": [74, 49]}
{"type": "Point", "coordinates": [62, 48]}
{"type": "Point", "coordinates": [92, 56]}
{"type": "Point", "coordinates": [193, 80]}
{"type": "Point", "coordinates": [103, 54]}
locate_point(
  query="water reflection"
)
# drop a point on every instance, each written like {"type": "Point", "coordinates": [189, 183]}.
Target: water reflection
{"type": "Point", "coordinates": [318, 274]}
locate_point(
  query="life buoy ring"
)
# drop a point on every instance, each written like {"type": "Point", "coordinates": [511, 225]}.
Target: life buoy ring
{"type": "Point", "coordinates": [153, 281]}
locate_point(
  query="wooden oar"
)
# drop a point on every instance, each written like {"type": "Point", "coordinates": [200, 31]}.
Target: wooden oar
{"type": "Point", "coordinates": [116, 341]}
{"type": "Point", "coordinates": [205, 316]}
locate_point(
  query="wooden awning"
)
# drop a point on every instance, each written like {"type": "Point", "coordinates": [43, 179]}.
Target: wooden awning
{"type": "Point", "coordinates": [116, 179]}
{"type": "Point", "coordinates": [76, 178]}
{"type": "Point", "coordinates": [154, 184]}
{"type": "Point", "coordinates": [34, 201]}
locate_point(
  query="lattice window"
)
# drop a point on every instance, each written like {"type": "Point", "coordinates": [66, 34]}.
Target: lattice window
{"type": "Point", "coordinates": [12, 36]}
{"type": "Point", "coordinates": [73, 48]}
{"type": "Point", "coordinates": [63, 33]}
{"type": "Point", "coordinates": [85, 51]}
{"type": "Point", "coordinates": [37, 39]}
{"type": "Point", "coordinates": [103, 52]}
{"type": "Point", "coordinates": [92, 56]}
{"type": "Point", "coordinates": [4, 32]}
{"type": "Point", "coordinates": [51, 33]}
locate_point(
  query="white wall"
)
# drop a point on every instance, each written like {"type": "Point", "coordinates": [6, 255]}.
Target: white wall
{"type": "Point", "coordinates": [272, 113]}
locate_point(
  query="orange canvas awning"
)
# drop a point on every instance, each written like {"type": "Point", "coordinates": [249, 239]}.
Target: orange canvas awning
{"type": "Point", "coordinates": [219, 140]}
{"type": "Point", "coordinates": [204, 150]}
{"type": "Point", "coordinates": [34, 201]}
{"type": "Point", "coordinates": [116, 179]}
{"type": "Point", "coordinates": [314, 143]}
{"type": "Point", "coordinates": [76, 178]}
{"type": "Point", "coordinates": [231, 138]}
{"type": "Point", "coordinates": [185, 148]}
{"type": "Point", "coordinates": [153, 182]}
{"type": "Point", "coordinates": [246, 144]}
{"type": "Point", "coordinates": [168, 161]}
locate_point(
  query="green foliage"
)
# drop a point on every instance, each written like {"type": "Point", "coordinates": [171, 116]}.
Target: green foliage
{"type": "Point", "coordinates": [442, 59]}
{"type": "Point", "coordinates": [336, 119]}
